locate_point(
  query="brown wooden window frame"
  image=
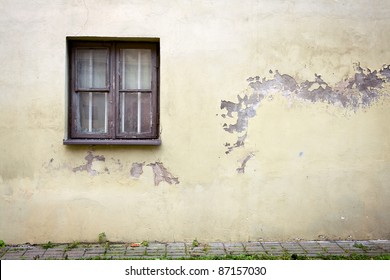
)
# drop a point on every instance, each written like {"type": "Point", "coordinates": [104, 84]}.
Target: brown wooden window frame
{"type": "Point", "coordinates": [113, 135]}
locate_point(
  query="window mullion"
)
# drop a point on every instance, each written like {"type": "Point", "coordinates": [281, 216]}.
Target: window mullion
{"type": "Point", "coordinates": [90, 112]}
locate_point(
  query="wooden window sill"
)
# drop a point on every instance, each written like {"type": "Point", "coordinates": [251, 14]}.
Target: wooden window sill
{"type": "Point", "coordinates": [123, 142]}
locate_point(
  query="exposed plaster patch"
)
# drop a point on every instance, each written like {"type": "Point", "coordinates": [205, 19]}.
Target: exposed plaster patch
{"type": "Point", "coordinates": [243, 163]}
{"type": "Point", "coordinates": [162, 174]}
{"type": "Point", "coordinates": [88, 166]}
{"type": "Point", "coordinates": [137, 169]}
{"type": "Point", "coordinates": [360, 91]}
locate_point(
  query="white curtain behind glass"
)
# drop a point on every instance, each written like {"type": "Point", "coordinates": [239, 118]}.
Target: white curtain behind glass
{"type": "Point", "coordinates": [92, 70]}
{"type": "Point", "coordinates": [136, 107]}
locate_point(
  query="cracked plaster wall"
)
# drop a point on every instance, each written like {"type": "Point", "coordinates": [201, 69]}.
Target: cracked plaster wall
{"type": "Point", "coordinates": [301, 151]}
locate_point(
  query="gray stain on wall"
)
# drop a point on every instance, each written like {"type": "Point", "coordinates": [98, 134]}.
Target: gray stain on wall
{"type": "Point", "coordinates": [360, 91]}
{"type": "Point", "coordinates": [244, 162]}
{"type": "Point", "coordinates": [137, 169]}
{"type": "Point", "coordinates": [90, 158]}
{"type": "Point", "coordinates": [162, 174]}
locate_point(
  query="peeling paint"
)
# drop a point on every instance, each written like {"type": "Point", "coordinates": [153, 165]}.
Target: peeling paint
{"type": "Point", "coordinates": [88, 166]}
{"type": "Point", "coordinates": [240, 142]}
{"type": "Point", "coordinates": [241, 169]}
{"type": "Point", "coordinates": [360, 91]}
{"type": "Point", "coordinates": [137, 169]}
{"type": "Point", "coordinates": [162, 174]}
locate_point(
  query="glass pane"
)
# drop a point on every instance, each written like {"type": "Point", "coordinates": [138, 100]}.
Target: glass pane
{"type": "Point", "coordinates": [129, 112]}
{"type": "Point", "coordinates": [135, 112]}
{"type": "Point", "coordinates": [92, 112]}
{"type": "Point", "coordinates": [146, 112]}
{"type": "Point", "coordinates": [92, 68]}
{"type": "Point", "coordinates": [99, 112]}
{"type": "Point", "coordinates": [83, 113]}
{"type": "Point", "coordinates": [136, 68]}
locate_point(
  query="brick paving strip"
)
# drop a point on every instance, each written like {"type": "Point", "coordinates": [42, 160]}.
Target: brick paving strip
{"type": "Point", "coordinates": [177, 250]}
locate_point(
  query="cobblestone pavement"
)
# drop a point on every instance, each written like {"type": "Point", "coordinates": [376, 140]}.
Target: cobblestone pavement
{"type": "Point", "coordinates": [176, 250]}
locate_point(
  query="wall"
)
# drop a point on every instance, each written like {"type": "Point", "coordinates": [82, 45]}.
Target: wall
{"type": "Point", "coordinates": [274, 124]}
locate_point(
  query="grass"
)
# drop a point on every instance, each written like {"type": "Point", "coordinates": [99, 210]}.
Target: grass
{"type": "Point", "coordinates": [195, 243]}
{"type": "Point", "coordinates": [102, 238]}
{"type": "Point", "coordinates": [48, 245]}
{"type": "Point", "coordinates": [73, 245]}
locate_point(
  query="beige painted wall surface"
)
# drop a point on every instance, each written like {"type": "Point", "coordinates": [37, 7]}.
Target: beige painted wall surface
{"type": "Point", "coordinates": [294, 156]}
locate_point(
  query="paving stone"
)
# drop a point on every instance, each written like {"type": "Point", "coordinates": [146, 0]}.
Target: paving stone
{"type": "Point", "coordinates": [215, 252]}
{"type": "Point", "coordinates": [175, 257]}
{"type": "Point", "coordinates": [94, 250]}
{"type": "Point", "coordinates": [312, 248]}
{"type": "Point", "coordinates": [273, 248]}
{"type": "Point", "coordinates": [133, 252]}
{"type": "Point", "coordinates": [331, 248]}
{"type": "Point", "coordinates": [55, 253]}
{"type": "Point", "coordinates": [3, 250]}
{"type": "Point", "coordinates": [176, 246]}
{"type": "Point", "coordinates": [373, 247]}
{"type": "Point", "coordinates": [214, 249]}
{"type": "Point", "coordinates": [191, 250]}
{"type": "Point", "coordinates": [14, 254]}
{"type": "Point", "coordinates": [293, 248]}
{"type": "Point", "coordinates": [253, 248]}
{"type": "Point", "coordinates": [382, 244]}
{"type": "Point", "coordinates": [116, 251]}
{"type": "Point", "coordinates": [234, 249]}
{"type": "Point", "coordinates": [34, 254]}
{"type": "Point", "coordinates": [156, 250]}
{"type": "Point", "coordinates": [177, 249]}
{"type": "Point", "coordinates": [197, 252]}
{"type": "Point", "coordinates": [75, 253]}
{"type": "Point", "coordinates": [313, 245]}
{"type": "Point", "coordinates": [351, 247]}
{"type": "Point", "coordinates": [366, 248]}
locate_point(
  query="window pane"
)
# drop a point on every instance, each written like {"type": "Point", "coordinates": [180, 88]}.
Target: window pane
{"type": "Point", "coordinates": [92, 113]}
{"type": "Point", "coordinates": [135, 112]}
{"type": "Point", "coordinates": [83, 113]}
{"type": "Point", "coordinates": [92, 68]}
{"type": "Point", "coordinates": [129, 112]}
{"type": "Point", "coordinates": [136, 68]}
{"type": "Point", "coordinates": [146, 112]}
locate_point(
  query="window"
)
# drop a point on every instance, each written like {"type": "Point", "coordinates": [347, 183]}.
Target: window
{"type": "Point", "coordinates": [113, 92]}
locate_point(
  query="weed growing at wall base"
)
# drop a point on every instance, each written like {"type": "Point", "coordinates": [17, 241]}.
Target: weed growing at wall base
{"type": "Point", "coordinates": [48, 245]}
